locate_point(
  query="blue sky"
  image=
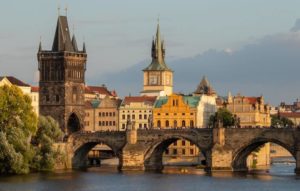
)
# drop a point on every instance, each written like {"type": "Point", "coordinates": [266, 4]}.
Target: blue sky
{"type": "Point", "coordinates": [118, 33]}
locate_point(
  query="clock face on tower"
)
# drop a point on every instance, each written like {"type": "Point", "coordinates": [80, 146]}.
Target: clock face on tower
{"type": "Point", "coordinates": [153, 80]}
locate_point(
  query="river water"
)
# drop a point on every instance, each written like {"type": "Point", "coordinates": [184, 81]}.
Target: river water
{"type": "Point", "coordinates": [279, 178]}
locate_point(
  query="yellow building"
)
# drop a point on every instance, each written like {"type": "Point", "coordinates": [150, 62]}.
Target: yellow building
{"type": "Point", "coordinates": [177, 111]}
{"type": "Point", "coordinates": [158, 77]}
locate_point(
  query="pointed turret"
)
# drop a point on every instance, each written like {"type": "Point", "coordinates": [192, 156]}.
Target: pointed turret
{"type": "Point", "coordinates": [83, 48]}
{"type": "Point", "coordinates": [74, 43]}
{"type": "Point", "coordinates": [62, 40]}
{"type": "Point", "coordinates": [40, 46]}
{"type": "Point", "coordinates": [158, 53]}
{"type": "Point", "coordinates": [205, 88]}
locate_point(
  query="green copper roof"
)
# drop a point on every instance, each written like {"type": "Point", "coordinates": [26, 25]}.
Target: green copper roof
{"type": "Point", "coordinates": [192, 101]}
{"type": "Point", "coordinates": [155, 65]}
{"type": "Point", "coordinates": [95, 103]}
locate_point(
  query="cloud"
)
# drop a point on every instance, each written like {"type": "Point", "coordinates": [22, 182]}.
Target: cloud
{"type": "Point", "coordinates": [296, 27]}
{"type": "Point", "coordinates": [269, 66]}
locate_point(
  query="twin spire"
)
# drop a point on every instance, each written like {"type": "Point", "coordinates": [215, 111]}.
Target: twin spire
{"type": "Point", "coordinates": [62, 39]}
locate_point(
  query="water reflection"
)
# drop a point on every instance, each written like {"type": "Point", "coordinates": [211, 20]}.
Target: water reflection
{"type": "Point", "coordinates": [279, 177]}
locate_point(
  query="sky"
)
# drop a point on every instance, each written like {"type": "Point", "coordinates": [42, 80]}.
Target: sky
{"type": "Point", "coordinates": [243, 46]}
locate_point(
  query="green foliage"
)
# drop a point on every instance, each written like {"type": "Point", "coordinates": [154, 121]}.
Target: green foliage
{"type": "Point", "coordinates": [278, 121]}
{"type": "Point", "coordinates": [16, 110]}
{"type": "Point", "coordinates": [18, 123]}
{"type": "Point", "coordinates": [47, 134]}
{"type": "Point", "coordinates": [224, 116]}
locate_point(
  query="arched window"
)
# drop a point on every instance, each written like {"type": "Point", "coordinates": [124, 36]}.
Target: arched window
{"type": "Point", "coordinates": [167, 123]}
{"type": "Point", "coordinates": [183, 123]}
{"type": "Point", "coordinates": [175, 123]}
{"type": "Point", "coordinates": [158, 123]}
{"type": "Point", "coordinates": [191, 123]}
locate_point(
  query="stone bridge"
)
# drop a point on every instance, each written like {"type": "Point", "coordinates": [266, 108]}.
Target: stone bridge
{"type": "Point", "coordinates": [224, 149]}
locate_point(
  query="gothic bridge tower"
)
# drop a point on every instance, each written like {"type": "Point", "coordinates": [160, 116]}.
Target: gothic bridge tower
{"type": "Point", "coordinates": [62, 79]}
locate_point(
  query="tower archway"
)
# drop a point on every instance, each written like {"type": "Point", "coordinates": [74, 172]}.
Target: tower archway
{"type": "Point", "coordinates": [73, 124]}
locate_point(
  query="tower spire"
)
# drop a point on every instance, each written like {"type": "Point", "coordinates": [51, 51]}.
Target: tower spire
{"type": "Point", "coordinates": [40, 44]}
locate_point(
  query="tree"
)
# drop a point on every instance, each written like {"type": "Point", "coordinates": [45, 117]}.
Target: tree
{"type": "Point", "coordinates": [279, 121]}
{"type": "Point", "coordinates": [224, 116]}
{"type": "Point", "coordinates": [47, 134]}
{"type": "Point", "coordinates": [18, 123]}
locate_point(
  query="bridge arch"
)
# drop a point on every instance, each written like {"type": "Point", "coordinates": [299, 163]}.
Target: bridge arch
{"type": "Point", "coordinates": [154, 154]}
{"type": "Point", "coordinates": [239, 162]}
{"type": "Point", "coordinates": [82, 149]}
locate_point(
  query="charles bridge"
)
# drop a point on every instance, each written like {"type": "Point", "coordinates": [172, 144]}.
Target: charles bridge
{"type": "Point", "coordinates": [224, 148]}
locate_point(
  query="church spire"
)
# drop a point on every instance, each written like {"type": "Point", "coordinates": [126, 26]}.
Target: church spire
{"type": "Point", "coordinates": [83, 48]}
{"type": "Point", "coordinates": [158, 53]}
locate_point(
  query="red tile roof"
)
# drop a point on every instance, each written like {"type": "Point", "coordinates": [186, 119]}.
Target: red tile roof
{"type": "Point", "coordinates": [130, 99]}
{"type": "Point", "coordinates": [97, 89]}
{"type": "Point", "coordinates": [35, 89]}
{"type": "Point", "coordinates": [15, 81]}
{"type": "Point", "coordinates": [252, 100]}
{"type": "Point", "coordinates": [290, 114]}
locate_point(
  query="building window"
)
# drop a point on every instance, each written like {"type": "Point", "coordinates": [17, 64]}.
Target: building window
{"type": "Point", "coordinates": [167, 123]}
{"type": "Point", "coordinates": [158, 123]}
{"type": "Point", "coordinates": [175, 113]}
{"type": "Point", "coordinates": [140, 125]}
{"type": "Point", "coordinates": [183, 151]}
{"type": "Point", "coordinates": [114, 114]}
{"type": "Point", "coordinates": [191, 151]}
{"type": "Point", "coordinates": [110, 123]}
{"type": "Point", "coordinates": [123, 126]}
{"type": "Point", "coordinates": [175, 123]}
{"type": "Point", "coordinates": [110, 114]}
{"type": "Point", "coordinates": [106, 123]}
{"type": "Point", "coordinates": [106, 114]}
{"type": "Point", "coordinates": [167, 114]}
{"type": "Point", "coordinates": [100, 123]}
{"type": "Point", "coordinates": [128, 116]}
{"type": "Point", "coordinates": [114, 123]}
{"type": "Point", "coordinates": [123, 116]}
{"type": "Point", "coordinates": [103, 114]}
{"type": "Point", "coordinates": [174, 151]}
{"type": "Point", "coordinates": [191, 123]}
{"type": "Point", "coordinates": [183, 113]}
{"type": "Point", "coordinates": [191, 113]}
{"type": "Point", "coordinates": [57, 98]}
{"type": "Point", "coordinates": [47, 98]}
{"type": "Point", "coordinates": [158, 113]}
{"type": "Point", "coordinates": [140, 116]}
{"type": "Point", "coordinates": [183, 123]}
{"type": "Point", "coordinates": [145, 116]}
{"type": "Point", "coordinates": [145, 125]}
{"type": "Point", "coordinates": [133, 116]}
